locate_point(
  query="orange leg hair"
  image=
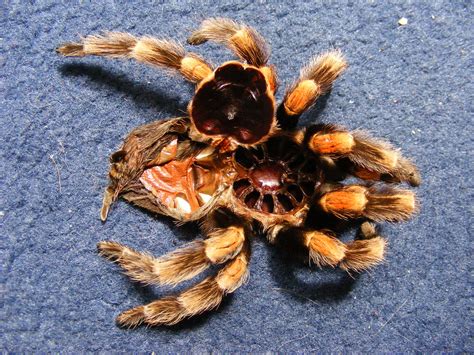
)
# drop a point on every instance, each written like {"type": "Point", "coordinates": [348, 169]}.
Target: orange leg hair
{"type": "Point", "coordinates": [315, 80]}
{"type": "Point", "coordinates": [241, 39]}
{"type": "Point", "coordinates": [366, 252]}
{"type": "Point", "coordinates": [202, 297]}
{"type": "Point", "coordinates": [326, 250]}
{"type": "Point", "coordinates": [179, 265]}
{"type": "Point", "coordinates": [159, 52]}
{"type": "Point", "coordinates": [372, 158]}
{"type": "Point", "coordinates": [378, 203]}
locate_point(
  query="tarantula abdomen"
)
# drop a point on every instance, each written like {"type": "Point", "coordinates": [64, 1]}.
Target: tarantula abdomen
{"type": "Point", "coordinates": [276, 177]}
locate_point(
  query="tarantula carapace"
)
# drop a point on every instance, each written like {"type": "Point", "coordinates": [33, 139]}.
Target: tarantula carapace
{"type": "Point", "coordinates": [238, 164]}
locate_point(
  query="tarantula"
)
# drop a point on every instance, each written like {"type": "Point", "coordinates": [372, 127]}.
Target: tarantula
{"type": "Point", "coordinates": [238, 164]}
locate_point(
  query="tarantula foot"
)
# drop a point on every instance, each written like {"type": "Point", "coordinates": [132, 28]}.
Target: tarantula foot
{"type": "Point", "coordinates": [414, 178]}
{"type": "Point", "coordinates": [107, 201]}
{"type": "Point", "coordinates": [131, 318]}
{"type": "Point", "coordinates": [364, 254]}
{"type": "Point", "coordinates": [367, 230]}
{"type": "Point", "coordinates": [110, 250]}
{"type": "Point", "coordinates": [71, 50]}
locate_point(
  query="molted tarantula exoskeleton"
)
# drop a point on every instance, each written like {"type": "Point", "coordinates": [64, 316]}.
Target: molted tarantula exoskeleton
{"type": "Point", "coordinates": [238, 164]}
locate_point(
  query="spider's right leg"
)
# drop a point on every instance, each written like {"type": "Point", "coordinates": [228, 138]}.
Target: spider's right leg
{"type": "Point", "coordinates": [326, 250]}
{"type": "Point", "coordinates": [180, 265]}
{"type": "Point", "coordinates": [372, 159]}
{"type": "Point", "coordinates": [365, 252]}
{"type": "Point", "coordinates": [377, 203]}
{"type": "Point", "coordinates": [315, 80]}
{"type": "Point", "coordinates": [159, 52]}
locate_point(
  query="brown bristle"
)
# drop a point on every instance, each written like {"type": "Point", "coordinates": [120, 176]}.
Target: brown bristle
{"type": "Point", "coordinates": [325, 69]}
{"type": "Point", "coordinates": [390, 204]}
{"type": "Point", "coordinates": [250, 46]}
{"type": "Point", "coordinates": [376, 203]}
{"type": "Point", "coordinates": [131, 318]}
{"type": "Point", "coordinates": [364, 254]}
{"type": "Point", "coordinates": [71, 50]}
{"type": "Point", "coordinates": [301, 97]}
{"type": "Point", "coordinates": [224, 244]}
{"type": "Point", "coordinates": [202, 297]}
{"type": "Point", "coordinates": [324, 249]}
{"type": "Point", "coordinates": [243, 40]}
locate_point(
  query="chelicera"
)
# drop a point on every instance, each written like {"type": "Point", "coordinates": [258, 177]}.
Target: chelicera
{"type": "Point", "coordinates": [238, 164]}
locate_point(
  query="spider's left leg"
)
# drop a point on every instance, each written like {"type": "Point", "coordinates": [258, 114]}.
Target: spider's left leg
{"type": "Point", "coordinates": [315, 80]}
{"type": "Point", "coordinates": [372, 159]}
{"type": "Point", "coordinates": [158, 52]}
{"type": "Point", "coordinates": [204, 296]}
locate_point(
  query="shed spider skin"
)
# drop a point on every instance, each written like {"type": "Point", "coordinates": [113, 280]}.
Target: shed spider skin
{"type": "Point", "coordinates": [238, 165]}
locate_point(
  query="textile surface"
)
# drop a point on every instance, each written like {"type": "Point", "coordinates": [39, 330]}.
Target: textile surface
{"type": "Point", "coordinates": [62, 118]}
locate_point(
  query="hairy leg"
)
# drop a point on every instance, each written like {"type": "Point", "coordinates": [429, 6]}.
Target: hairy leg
{"type": "Point", "coordinates": [366, 252]}
{"type": "Point", "coordinates": [159, 52]}
{"type": "Point", "coordinates": [326, 250]}
{"type": "Point", "coordinates": [371, 158]}
{"type": "Point", "coordinates": [180, 265]}
{"type": "Point", "coordinates": [204, 296]}
{"type": "Point", "coordinates": [315, 80]}
{"type": "Point", "coordinates": [243, 40]}
{"type": "Point", "coordinates": [377, 203]}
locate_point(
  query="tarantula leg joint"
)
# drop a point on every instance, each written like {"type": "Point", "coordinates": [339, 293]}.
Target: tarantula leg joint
{"type": "Point", "coordinates": [375, 203]}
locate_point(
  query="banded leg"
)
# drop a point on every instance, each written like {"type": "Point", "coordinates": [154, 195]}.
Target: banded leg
{"type": "Point", "coordinates": [366, 252]}
{"type": "Point", "coordinates": [372, 158]}
{"type": "Point", "coordinates": [326, 250]}
{"type": "Point", "coordinates": [243, 40]}
{"type": "Point", "coordinates": [204, 296]}
{"type": "Point", "coordinates": [378, 203]}
{"type": "Point", "coordinates": [315, 80]}
{"type": "Point", "coordinates": [180, 265]}
{"type": "Point", "coordinates": [159, 52]}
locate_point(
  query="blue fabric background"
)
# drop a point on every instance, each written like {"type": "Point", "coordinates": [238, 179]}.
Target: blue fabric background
{"type": "Point", "coordinates": [61, 118]}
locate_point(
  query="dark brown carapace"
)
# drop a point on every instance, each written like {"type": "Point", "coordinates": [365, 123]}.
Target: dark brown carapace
{"type": "Point", "coordinates": [238, 164]}
{"type": "Point", "coordinates": [236, 103]}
